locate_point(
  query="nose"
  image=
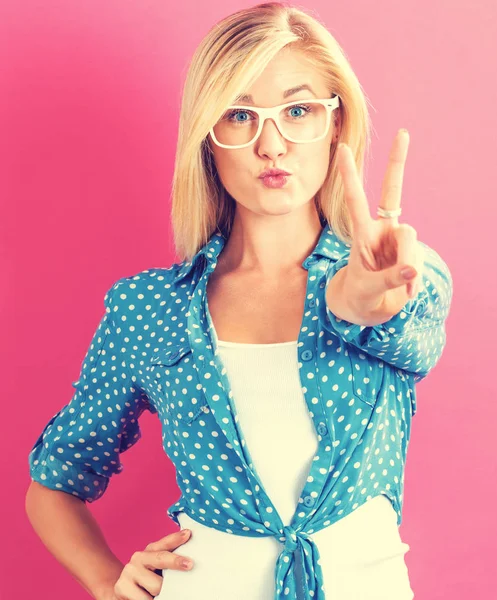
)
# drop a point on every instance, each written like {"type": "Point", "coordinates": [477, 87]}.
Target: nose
{"type": "Point", "coordinates": [270, 125]}
{"type": "Point", "coordinates": [271, 143]}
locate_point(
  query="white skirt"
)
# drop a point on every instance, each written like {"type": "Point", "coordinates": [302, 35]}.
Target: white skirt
{"type": "Point", "coordinates": [362, 558]}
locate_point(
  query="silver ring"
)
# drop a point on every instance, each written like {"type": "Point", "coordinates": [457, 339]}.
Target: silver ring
{"type": "Point", "coordinates": [387, 214]}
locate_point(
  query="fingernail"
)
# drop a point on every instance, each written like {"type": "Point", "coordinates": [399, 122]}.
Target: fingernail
{"type": "Point", "coordinates": [408, 272]}
{"type": "Point", "coordinates": [186, 563]}
{"type": "Point", "coordinates": [185, 532]}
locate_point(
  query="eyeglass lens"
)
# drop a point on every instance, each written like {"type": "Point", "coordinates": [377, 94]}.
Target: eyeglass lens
{"type": "Point", "coordinates": [301, 121]}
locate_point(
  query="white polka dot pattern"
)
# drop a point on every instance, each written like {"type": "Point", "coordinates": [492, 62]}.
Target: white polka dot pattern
{"type": "Point", "coordinates": [413, 339]}
{"type": "Point", "coordinates": [155, 349]}
{"type": "Point", "coordinates": [79, 448]}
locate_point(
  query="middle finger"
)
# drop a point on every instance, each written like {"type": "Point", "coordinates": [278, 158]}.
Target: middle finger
{"type": "Point", "coordinates": [391, 191]}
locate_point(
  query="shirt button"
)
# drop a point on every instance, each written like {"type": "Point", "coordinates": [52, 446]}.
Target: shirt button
{"type": "Point", "coordinates": [312, 303]}
{"type": "Point", "coordinates": [322, 429]}
{"type": "Point", "coordinates": [306, 355]}
{"type": "Point", "coordinates": [205, 409]}
{"type": "Point", "coordinates": [322, 284]}
{"type": "Point", "coordinates": [309, 501]}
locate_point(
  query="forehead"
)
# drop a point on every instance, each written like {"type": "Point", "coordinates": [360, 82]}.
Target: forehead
{"type": "Point", "coordinates": [248, 98]}
{"type": "Point", "coordinates": [288, 75]}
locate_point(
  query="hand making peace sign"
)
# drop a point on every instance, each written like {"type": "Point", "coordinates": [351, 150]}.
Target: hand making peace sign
{"type": "Point", "coordinates": [381, 247]}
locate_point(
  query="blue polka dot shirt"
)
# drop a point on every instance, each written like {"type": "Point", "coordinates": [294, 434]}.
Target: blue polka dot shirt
{"type": "Point", "coordinates": [154, 350]}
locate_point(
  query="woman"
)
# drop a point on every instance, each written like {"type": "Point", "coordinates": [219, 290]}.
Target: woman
{"type": "Point", "coordinates": [281, 354]}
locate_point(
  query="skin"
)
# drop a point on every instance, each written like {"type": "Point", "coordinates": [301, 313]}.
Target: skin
{"type": "Point", "coordinates": [69, 530]}
{"type": "Point", "coordinates": [275, 229]}
{"type": "Point", "coordinates": [371, 289]}
{"type": "Point", "coordinates": [278, 228]}
{"type": "Point", "coordinates": [140, 573]}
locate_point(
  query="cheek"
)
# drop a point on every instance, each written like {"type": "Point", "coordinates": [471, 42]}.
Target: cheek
{"type": "Point", "coordinates": [313, 166]}
{"type": "Point", "coordinates": [229, 165]}
{"type": "Point", "coordinates": [233, 171]}
{"type": "Point", "coordinates": [316, 158]}
{"type": "Point", "coordinates": [229, 160]}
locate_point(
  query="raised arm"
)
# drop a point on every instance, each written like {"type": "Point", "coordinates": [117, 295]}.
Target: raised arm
{"type": "Point", "coordinates": [414, 337]}
{"type": "Point", "coordinates": [372, 300]}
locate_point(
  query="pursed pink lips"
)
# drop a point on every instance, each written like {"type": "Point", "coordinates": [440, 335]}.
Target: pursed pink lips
{"type": "Point", "coordinates": [275, 181]}
{"type": "Point", "coordinates": [274, 178]}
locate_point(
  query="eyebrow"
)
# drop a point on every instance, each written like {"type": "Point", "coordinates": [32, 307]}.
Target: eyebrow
{"type": "Point", "coordinates": [304, 86]}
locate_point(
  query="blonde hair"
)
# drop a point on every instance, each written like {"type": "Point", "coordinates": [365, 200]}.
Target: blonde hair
{"type": "Point", "coordinates": [227, 61]}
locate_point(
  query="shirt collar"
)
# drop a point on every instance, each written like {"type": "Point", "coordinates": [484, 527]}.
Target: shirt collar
{"type": "Point", "coordinates": [328, 246]}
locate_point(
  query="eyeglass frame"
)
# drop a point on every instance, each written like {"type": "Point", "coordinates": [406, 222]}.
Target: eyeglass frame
{"type": "Point", "coordinates": [273, 113]}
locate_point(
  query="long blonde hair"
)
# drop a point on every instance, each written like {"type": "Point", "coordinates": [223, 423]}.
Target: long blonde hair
{"type": "Point", "coordinates": [227, 61]}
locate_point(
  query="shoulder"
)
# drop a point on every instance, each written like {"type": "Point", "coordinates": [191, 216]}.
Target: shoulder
{"type": "Point", "coordinates": [148, 287]}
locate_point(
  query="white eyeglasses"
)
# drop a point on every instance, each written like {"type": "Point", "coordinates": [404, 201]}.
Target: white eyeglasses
{"type": "Point", "coordinates": [310, 124]}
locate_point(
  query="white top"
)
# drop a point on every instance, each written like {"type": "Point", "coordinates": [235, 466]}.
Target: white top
{"type": "Point", "coordinates": [362, 555]}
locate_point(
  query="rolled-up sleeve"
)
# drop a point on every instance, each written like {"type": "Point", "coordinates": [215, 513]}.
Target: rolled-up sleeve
{"type": "Point", "coordinates": [414, 338]}
{"type": "Point", "coordinates": [79, 448]}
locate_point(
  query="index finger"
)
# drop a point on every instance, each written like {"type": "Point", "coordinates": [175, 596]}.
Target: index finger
{"type": "Point", "coordinates": [354, 192]}
{"type": "Point", "coordinates": [391, 191]}
{"type": "Point", "coordinates": [169, 541]}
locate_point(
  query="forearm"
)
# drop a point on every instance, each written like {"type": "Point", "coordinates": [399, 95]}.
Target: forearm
{"type": "Point", "coordinates": [343, 307]}
{"type": "Point", "coordinates": [71, 534]}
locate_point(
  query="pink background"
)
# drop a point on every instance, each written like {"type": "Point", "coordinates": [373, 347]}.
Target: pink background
{"type": "Point", "coordinates": [89, 101]}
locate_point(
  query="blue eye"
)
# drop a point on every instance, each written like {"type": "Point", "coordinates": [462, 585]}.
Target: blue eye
{"type": "Point", "coordinates": [305, 107]}
{"type": "Point", "coordinates": [232, 116]}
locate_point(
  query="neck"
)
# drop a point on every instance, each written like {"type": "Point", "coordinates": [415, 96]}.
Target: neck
{"type": "Point", "coordinates": [267, 245]}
